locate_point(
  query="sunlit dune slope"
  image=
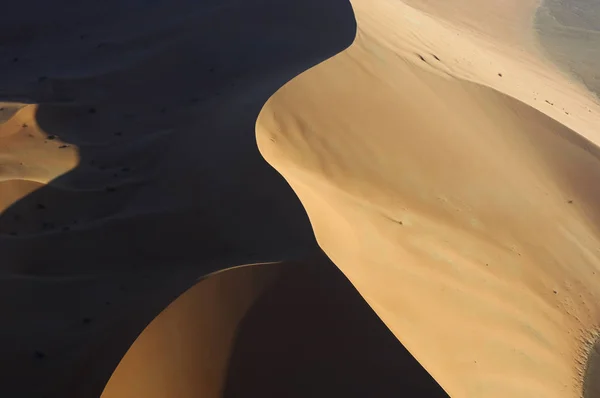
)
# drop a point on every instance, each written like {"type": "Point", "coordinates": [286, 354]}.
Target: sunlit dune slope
{"type": "Point", "coordinates": [443, 175]}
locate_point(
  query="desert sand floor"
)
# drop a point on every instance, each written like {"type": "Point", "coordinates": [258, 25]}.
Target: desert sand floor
{"type": "Point", "coordinates": [447, 168]}
{"type": "Point", "coordinates": [129, 168]}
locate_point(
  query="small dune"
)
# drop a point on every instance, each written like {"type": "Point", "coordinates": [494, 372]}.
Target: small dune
{"type": "Point", "coordinates": [270, 330]}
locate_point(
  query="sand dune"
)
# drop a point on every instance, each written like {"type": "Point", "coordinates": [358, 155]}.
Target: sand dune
{"type": "Point", "coordinates": [445, 183]}
{"type": "Point", "coordinates": [272, 330]}
{"type": "Point", "coordinates": [447, 167]}
{"type": "Point", "coordinates": [158, 103]}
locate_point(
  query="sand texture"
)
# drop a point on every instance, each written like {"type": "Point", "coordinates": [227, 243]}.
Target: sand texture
{"type": "Point", "coordinates": [176, 176]}
{"type": "Point", "coordinates": [452, 178]}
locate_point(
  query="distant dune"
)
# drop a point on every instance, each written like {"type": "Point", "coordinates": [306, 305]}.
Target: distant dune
{"type": "Point", "coordinates": [436, 150]}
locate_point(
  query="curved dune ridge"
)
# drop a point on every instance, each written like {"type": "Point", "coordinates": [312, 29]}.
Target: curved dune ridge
{"type": "Point", "coordinates": [450, 180]}
{"type": "Point", "coordinates": [270, 330]}
{"type": "Point", "coordinates": [446, 167]}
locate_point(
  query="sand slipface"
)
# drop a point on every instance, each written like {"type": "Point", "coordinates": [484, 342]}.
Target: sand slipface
{"type": "Point", "coordinates": [270, 330]}
{"type": "Point", "coordinates": [453, 181]}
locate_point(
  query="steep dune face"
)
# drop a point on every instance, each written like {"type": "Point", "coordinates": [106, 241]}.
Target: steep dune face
{"type": "Point", "coordinates": [465, 216]}
{"type": "Point", "coordinates": [185, 351]}
{"type": "Point", "coordinates": [270, 330]}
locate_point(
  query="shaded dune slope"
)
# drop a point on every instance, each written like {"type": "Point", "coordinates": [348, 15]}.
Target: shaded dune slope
{"type": "Point", "coordinates": [160, 181]}
{"type": "Point", "coordinates": [271, 330]}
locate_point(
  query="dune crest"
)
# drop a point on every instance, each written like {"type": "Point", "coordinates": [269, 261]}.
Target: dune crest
{"type": "Point", "coordinates": [450, 175]}
{"type": "Point", "coordinates": [292, 329]}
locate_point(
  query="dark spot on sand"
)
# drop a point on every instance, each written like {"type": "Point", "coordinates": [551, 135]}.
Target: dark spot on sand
{"type": "Point", "coordinates": [421, 58]}
{"type": "Point", "coordinates": [548, 102]}
{"type": "Point", "coordinates": [436, 57]}
{"type": "Point", "coordinates": [24, 125]}
{"type": "Point", "coordinates": [63, 146]}
{"type": "Point", "coordinates": [51, 137]}
{"type": "Point", "coordinates": [555, 292]}
{"type": "Point", "coordinates": [500, 74]}
{"type": "Point", "coordinates": [570, 201]}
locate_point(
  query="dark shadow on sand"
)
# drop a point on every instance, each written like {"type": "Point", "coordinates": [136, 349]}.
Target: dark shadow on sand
{"type": "Point", "coordinates": [170, 184]}
{"type": "Point", "coordinates": [591, 380]}
{"type": "Point", "coordinates": [311, 334]}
